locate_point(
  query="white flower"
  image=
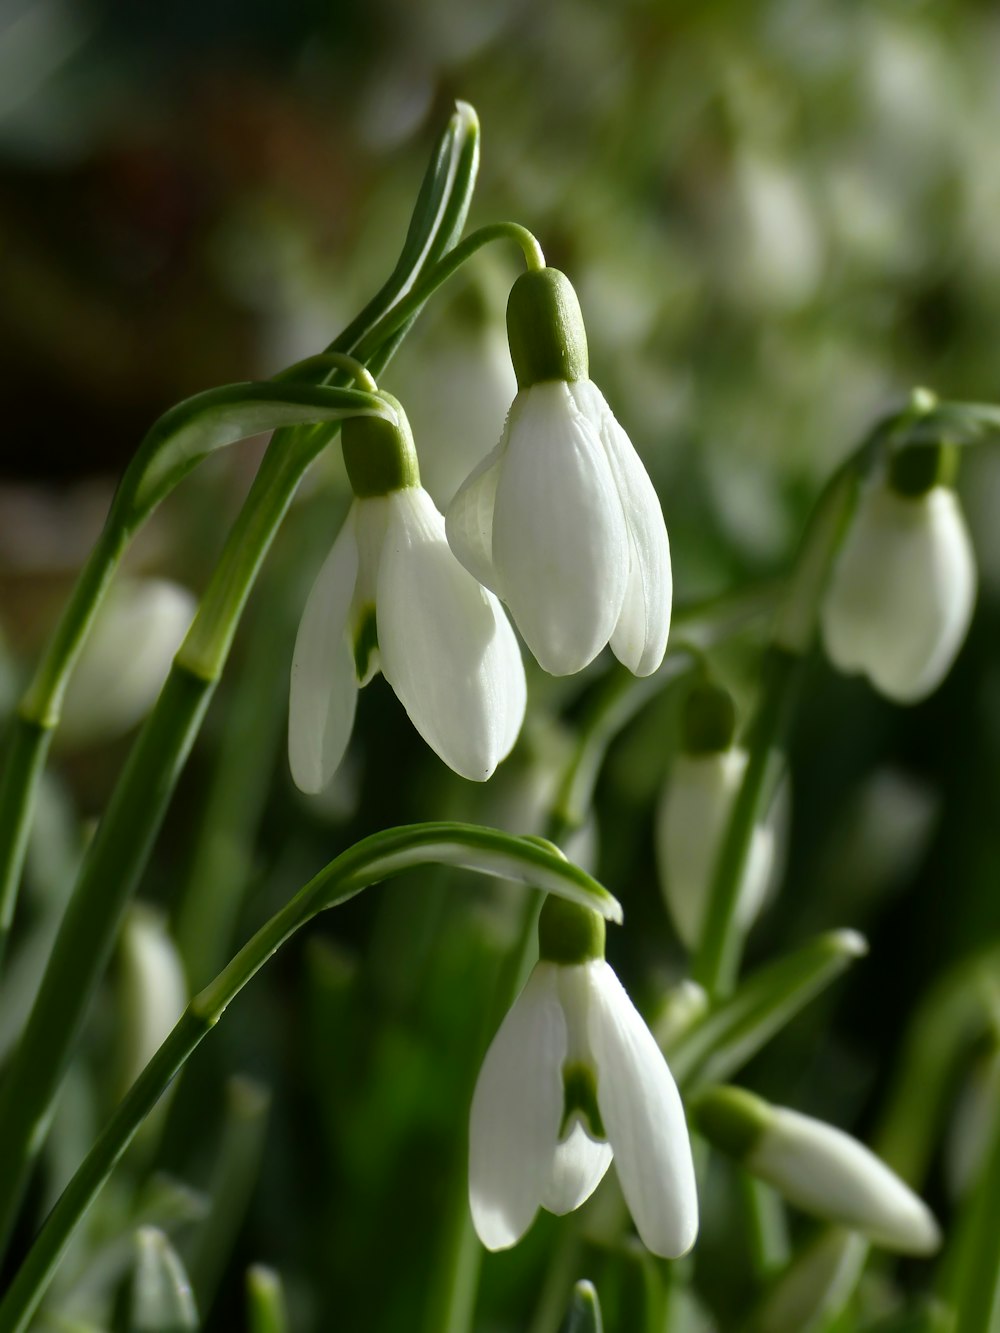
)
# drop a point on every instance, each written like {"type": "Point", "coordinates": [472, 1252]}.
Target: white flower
{"type": "Point", "coordinates": [691, 822]}
{"type": "Point", "coordinates": [561, 520]}
{"type": "Point", "coordinates": [391, 595]}
{"type": "Point", "coordinates": [572, 1077]}
{"type": "Point", "coordinates": [818, 1168]}
{"type": "Point", "coordinates": [125, 660]}
{"type": "Point", "coordinates": [902, 591]}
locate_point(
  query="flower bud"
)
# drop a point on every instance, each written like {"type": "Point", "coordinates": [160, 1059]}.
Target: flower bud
{"type": "Point", "coordinates": [694, 812]}
{"type": "Point", "coordinates": [818, 1168]}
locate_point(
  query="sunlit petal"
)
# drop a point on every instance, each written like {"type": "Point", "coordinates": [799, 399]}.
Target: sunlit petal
{"type": "Point", "coordinates": [640, 636]}
{"type": "Point", "coordinates": [470, 518]}
{"type": "Point", "coordinates": [578, 1168]}
{"type": "Point", "coordinates": [560, 542]}
{"type": "Point", "coordinates": [323, 687]}
{"type": "Point", "coordinates": [446, 646]}
{"type": "Point", "coordinates": [516, 1110]}
{"type": "Point", "coordinates": [644, 1119]}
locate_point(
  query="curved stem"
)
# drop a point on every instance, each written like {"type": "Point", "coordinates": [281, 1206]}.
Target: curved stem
{"type": "Point", "coordinates": [442, 271]}
{"type": "Point", "coordinates": [321, 365]}
{"type": "Point", "coordinates": [379, 857]}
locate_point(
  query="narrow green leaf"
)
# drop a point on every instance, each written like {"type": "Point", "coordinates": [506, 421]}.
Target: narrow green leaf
{"type": "Point", "coordinates": [191, 430]}
{"type": "Point", "coordinates": [162, 1301]}
{"type": "Point", "coordinates": [725, 1039]}
{"type": "Point", "coordinates": [265, 1301]}
{"type": "Point", "coordinates": [816, 1286]}
{"type": "Point", "coordinates": [532, 861]}
{"type": "Point", "coordinates": [584, 1313]}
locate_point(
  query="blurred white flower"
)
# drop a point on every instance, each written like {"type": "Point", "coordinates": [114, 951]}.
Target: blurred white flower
{"type": "Point", "coordinates": [572, 1078]}
{"type": "Point", "coordinates": [902, 591]}
{"type": "Point", "coordinates": [561, 520]}
{"type": "Point", "coordinates": [391, 596]}
{"type": "Point", "coordinates": [153, 989]}
{"type": "Point", "coordinates": [818, 1168]}
{"type": "Point", "coordinates": [693, 815]}
{"type": "Point", "coordinates": [126, 659]}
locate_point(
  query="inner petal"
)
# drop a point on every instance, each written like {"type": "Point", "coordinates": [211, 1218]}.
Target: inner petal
{"type": "Point", "coordinates": [578, 1168]}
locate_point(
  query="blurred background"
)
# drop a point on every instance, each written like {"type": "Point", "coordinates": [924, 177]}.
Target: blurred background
{"type": "Point", "coordinates": [779, 217]}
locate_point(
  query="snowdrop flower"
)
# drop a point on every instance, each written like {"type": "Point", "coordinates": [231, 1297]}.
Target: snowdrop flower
{"type": "Point", "coordinates": [561, 520]}
{"type": "Point", "coordinates": [392, 597]}
{"type": "Point", "coordinates": [125, 660]}
{"type": "Point", "coordinates": [572, 1078]}
{"type": "Point", "coordinates": [694, 813]}
{"type": "Point", "coordinates": [902, 591]}
{"type": "Point", "coordinates": [818, 1168]}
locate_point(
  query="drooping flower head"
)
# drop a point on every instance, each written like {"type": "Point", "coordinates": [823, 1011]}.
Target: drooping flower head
{"type": "Point", "coordinates": [818, 1168]}
{"type": "Point", "coordinates": [561, 520]}
{"type": "Point", "coordinates": [573, 1078]}
{"type": "Point", "coordinates": [392, 597]}
{"type": "Point", "coordinates": [902, 591]}
{"type": "Point", "coordinates": [693, 814]}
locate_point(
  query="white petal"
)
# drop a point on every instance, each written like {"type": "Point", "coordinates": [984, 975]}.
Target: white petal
{"type": "Point", "coordinates": [560, 543]}
{"type": "Point", "coordinates": [469, 523]}
{"type": "Point", "coordinates": [578, 1168]}
{"type": "Point", "coordinates": [827, 1172]}
{"type": "Point", "coordinates": [644, 1118]}
{"type": "Point", "coordinates": [516, 1110]}
{"type": "Point", "coordinates": [902, 592]}
{"type": "Point", "coordinates": [324, 691]}
{"type": "Point", "coordinates": [447, 648]}
{"type": "Point", "coordinates": [691, 822]}
{"type": "Point", "coordinates": [640, 637]}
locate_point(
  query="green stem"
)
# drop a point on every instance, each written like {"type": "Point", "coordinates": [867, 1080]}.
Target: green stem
{"type": "Point", "coordinates": [717, 959]}
{"type": "Point", "coordinates": [87, 933]}
{"type": "Point", "coordinates": [400, 313]}
{"type": "Point", "coordinates": [379, 857]}
{"type": "Point", "coordinates": [978, 1270]}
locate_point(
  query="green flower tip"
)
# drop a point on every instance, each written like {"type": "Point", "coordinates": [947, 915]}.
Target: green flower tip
{"type": "Point", "coordinates": [731, 1119]}
{"type": "Point", "coordinates": [568, 933]}
{"type": "Point", "coordinates": [545, 329]}
{"type": "Point", "coordinates": [709, 721]}
{"type": "Point", "coordinates": [379, 454]}
{"type": "Point", "coordinates": [918, 468]}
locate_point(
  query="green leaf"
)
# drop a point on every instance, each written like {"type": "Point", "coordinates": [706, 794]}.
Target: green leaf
{"type": "Point", "coordinates": [532, 861]}
{"type": "Point", "coordinates": [725, 1039]}
{"type": "Point", "coordinates": [265, 1301]}
{"type": "Point", "coordinates": [161, 1293]}
{"type": "Point", "coordinates": [584, 1313]}
{"type": "Point", "coordinates": [191, 430]}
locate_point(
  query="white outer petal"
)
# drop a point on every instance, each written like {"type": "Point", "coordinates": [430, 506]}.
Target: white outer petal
{"type": "Point", "coordinates": [691, 822]}
{"type": "Point", "coordinates": [516, 1111]}
{"type": "Point", "coordinates": [446, 646]}
{"type": "Point", "coordinates": [640, 637]}
{"type": "Point", "coordinates": [902, 592]}
{"type": "Point", "coordinates": [324, 691]}
{"type": "Point", "coordinates": [560, 541]}
{"type": "Point", "coordinates": [827, 1172]}
{"type": "Point", "coordinates": [579, 1166]}
{"type": "Point", "coordinates": [469, 522]}
{"type": "Point", "coordinates": [644, 1118]}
